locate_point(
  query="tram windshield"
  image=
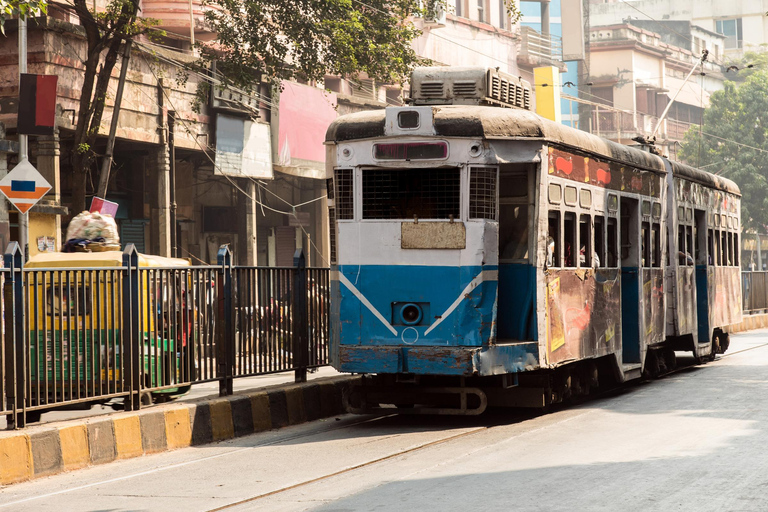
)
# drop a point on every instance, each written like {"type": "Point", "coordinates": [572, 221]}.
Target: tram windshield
{"type": "Point", "coordinates": [408, 193]}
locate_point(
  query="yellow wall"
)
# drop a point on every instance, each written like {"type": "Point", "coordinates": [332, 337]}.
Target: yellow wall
{"type": "Point", "coordinates": [42, 224]}
{"type": "Point", "coordinates": [547, 96]}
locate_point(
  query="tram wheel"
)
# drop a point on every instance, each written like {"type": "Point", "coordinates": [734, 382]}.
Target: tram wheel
{"type": "Point", "coordinates": [716, 343]}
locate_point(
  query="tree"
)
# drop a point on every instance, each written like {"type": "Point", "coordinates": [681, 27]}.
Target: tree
{"type": "Point", "coordinates": [22, 8]}
{"type": "Point", "coordinates": [732, 143]}
{"type": "Point", "coordinates": [105, 33]}
{"type": "Point", "coordinates": [272, 40]}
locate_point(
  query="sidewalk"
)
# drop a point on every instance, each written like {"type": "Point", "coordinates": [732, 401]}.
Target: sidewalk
{"type": "Point", "coordinates": [68, 440]}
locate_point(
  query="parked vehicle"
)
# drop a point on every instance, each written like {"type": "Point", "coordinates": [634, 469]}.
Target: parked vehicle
{"type": "Point", "coordinates": [483, 255]}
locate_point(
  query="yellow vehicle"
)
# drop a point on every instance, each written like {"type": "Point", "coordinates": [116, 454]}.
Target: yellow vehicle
{"type": "Point", "coordinates": [74, 310]}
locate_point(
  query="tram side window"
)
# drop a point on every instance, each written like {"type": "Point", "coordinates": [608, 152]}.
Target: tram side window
{"type": "Point", "coordinates": [731, 251]}
{"type": "Point", "coordinates": [600, 242]}
{"type": "Point", "coordinates": [645, 243]}
{"type": "Point", "coordinates": [569, 239]}
{"type": "Point", "coordinates": [724, 248]}
{"type": "Point", "coordinates": [718, 254]}
{"type": "Point", "coordinates": [736, 249]}
{"type": "Point", "coordinates": [586, 250]}
{"type": "Point", "coordinates": [681, 245]}
{"type": "Point", "coordinates": [656, 245]}
{"type": "Point", "coordinates": [613, 249]}
{"type": "Point", "coordinates": [710, 248]}
{"type": "Point", "coordinates": [689, 245]}
{"type": "Point", "coordinates": [553, 240]}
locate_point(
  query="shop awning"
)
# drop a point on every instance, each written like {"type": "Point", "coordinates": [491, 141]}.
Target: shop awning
{"type": "Point", "coordinates": [691, 93]}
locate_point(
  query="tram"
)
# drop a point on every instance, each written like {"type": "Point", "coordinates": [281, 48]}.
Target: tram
{"type": "Point", "coordinates": [482, 255]}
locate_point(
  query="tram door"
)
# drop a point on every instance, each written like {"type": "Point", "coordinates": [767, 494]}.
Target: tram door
{"type": "Point", "coordinates": [703, 260]}
{"type": "Point", "coordinates": [631, 308]}
{"type": "Point", "coordinates": [517, 276]}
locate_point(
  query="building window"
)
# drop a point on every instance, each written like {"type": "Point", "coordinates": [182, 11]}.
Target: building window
{"type": "Point", "coordinates": [481, 12]}
{"type": "Point", "coordinates": [731, 29]}
{"type": "Point", "coordinates": [459, 4]}
{"type": "Point", "coordinates": [502, 14]}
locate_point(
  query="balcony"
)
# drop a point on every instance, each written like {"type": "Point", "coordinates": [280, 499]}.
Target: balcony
{"type": "Point", "coordinates": [618, 125]}
{"type": "Point", "coordinates": [537, 49]}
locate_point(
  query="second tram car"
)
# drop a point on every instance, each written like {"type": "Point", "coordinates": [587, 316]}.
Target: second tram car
{"type": "Point", "coordinates": [482, 255]}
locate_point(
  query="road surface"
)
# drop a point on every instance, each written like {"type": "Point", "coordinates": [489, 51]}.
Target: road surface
{"type": "Point", "coordinates": [693, 441]}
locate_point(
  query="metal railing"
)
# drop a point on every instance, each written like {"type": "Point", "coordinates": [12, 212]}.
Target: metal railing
{"type": "Point", "coordinates": [754, 291]}
{"type": "Point", "coordinates": [88, 335]}
{"type": "Point", "coordinates": [538, 48]}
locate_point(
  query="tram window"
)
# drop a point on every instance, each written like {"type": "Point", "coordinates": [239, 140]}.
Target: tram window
{"type": "Point", "coordinates": [569, 239]}
{"type": "Point", "coordinates": [689, 245]}
{"type": "Point", "coordinates": [718, 255]}
{"type": "Point", "coordinates": [645, 244]}
{"type": "Point", "coordinates": [555, 193]}
{"type": "Point", "coordinates": [513, 232]}
{"type": "Point", "coordinates": [586, 251]}
{"type": "Point", "coordinates": [656, 245]}
{"type": "Point", "coordinates": [600, 242]}
{"type": "Point", "coordinates": [646, 208]}
{"type": "Point", "coordinates": [408, 193]}
{"type": "Point", "coordinates": [585, 198]}
{"type": "Point", "coordinates": [730, 249]}
{"type": "Point", "coordinates": [482, 193]}
{"type": "Point", "coordinates": [613, 251]}
{"type": "Point", "coordinates": [553, 240]}
{"type": "Point", "coordinates": [344, 194]}
{"type": "Point", "coordinates": [736, 249]}
{"type": "Point", "coordinates": [656, 210]}
{"type": "Point", "coordinates": [570, 196]}
{"type": "Point", "coordinates": [710, 248]}
{"type": "Point", "coordinates": [724, 248]}
{"type": "Point", "coordinates": [613, 203]}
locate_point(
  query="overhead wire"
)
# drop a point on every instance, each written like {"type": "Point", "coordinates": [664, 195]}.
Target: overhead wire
{"type": "Point", "coordinates": [232, 182]}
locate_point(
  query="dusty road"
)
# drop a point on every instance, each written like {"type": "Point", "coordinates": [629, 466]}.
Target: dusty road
{"type": "Point", "coordinates": [696, 440]}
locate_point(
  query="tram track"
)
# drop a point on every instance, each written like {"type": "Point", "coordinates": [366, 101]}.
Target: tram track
{"type": "Point", "coordinates": [509, 420]}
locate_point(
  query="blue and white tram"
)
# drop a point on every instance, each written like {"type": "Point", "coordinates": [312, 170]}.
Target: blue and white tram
{"type": "Point", "coordinates": [484, 255]}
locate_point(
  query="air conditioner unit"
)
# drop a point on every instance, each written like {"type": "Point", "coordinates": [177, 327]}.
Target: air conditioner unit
{"type": "Point", "coordinates": [435, 13]}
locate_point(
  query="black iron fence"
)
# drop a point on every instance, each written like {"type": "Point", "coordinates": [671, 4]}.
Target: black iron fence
{"type": "Point", "coordinates": [141, 332]}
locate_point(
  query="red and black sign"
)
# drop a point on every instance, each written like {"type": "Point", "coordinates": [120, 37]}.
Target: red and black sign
{"type": "Point", "coordinates": [37, 104]}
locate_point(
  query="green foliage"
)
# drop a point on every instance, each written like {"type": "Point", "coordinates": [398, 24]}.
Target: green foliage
{"type": "Point", "coordinates": [307, 39]}
{"type": "Point", "coordinates": [734, 144]}
{"type": "Point", "coordinates": [23, 8]}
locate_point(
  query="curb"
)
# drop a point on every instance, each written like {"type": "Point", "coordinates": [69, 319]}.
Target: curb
{"type": "Point", "coordinates": [52, 449]}
{"type": "Point", "coordinates": [749, 322]}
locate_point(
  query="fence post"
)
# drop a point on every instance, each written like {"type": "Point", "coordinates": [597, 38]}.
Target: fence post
{"type": "Point", "coordinates": [300, 327]}
{"type": "Point", "coordinates": [132, 337]}
{"type": "Point", "coordinates": [15, 337]}
{"type": "Point", "coordinates": [225, 338]}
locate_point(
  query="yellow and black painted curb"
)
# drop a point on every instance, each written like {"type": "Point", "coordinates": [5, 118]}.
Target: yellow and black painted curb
{"type": "Point", "coordinates": [54, 448]}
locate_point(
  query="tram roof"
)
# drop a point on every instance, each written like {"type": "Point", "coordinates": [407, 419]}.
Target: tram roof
{"type": "Point", "coordinates": [503, 123]}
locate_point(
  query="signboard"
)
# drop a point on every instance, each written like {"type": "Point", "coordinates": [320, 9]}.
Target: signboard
{"type": "Point", "coordinates": [24, 186]}
{"type": "Point", "coordinates": [243, 148]}
{"type": "Point", "coordinates": [304, 115]}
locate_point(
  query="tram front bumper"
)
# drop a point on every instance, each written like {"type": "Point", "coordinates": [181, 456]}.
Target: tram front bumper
{"type": "Point", "coordinates": [430, 360]}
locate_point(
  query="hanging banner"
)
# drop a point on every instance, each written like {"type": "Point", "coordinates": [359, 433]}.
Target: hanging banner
{"type": "Point", "coordinates": [37, 104]}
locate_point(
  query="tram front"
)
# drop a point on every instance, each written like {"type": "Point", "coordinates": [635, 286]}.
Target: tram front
{"type": "Point", "coordinates": [414, 249]}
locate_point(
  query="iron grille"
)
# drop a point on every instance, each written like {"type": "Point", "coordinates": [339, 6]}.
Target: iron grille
{"type": "Point", "coordinates": [482, 193]}
{"type": "Point", "coordinates": [432, 89]}
{"type": "Point", "coordinates": [329, 188]}
{"type": "Point", "coordinates": [332, 223]}
{"type": "Point", "coordinates": [345, 195]}
{"type": "Point", "coordinates": [409, 193]}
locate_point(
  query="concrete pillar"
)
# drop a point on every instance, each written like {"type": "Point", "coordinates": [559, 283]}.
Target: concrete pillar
{"type": "Point", "coordinates": [251, 242]}
{"type": "Point", "coordinates": [48, 164]}
{"type": "Point", "coordinates": [545, 18]}
{"type": "Point", "coordinates": [161, 200]}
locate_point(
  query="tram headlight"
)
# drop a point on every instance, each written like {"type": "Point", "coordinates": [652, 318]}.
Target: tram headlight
{"type": "Point", "coordinates": [476, 149]}
{"type": "Point", "coordinates": [411, 314]}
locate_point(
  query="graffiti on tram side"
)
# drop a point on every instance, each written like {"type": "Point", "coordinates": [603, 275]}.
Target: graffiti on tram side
{"type": "Point", "coordinates": [653, 305]}
{"type": "Point", "coordinates": [727, 295]}
{"type": "Point", "coordinates": [583, 313]}
{"type": "Point", "coordinates": [611, 176]}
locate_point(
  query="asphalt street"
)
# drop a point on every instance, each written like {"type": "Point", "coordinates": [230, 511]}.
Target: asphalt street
{"type": "Point", "coordinates": [692, 441]}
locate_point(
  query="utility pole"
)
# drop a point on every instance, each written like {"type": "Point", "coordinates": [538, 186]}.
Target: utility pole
{"type": "Point", "coordinates": [106, 164]}
{"type": "Point", "coordinates": [23, 139]}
